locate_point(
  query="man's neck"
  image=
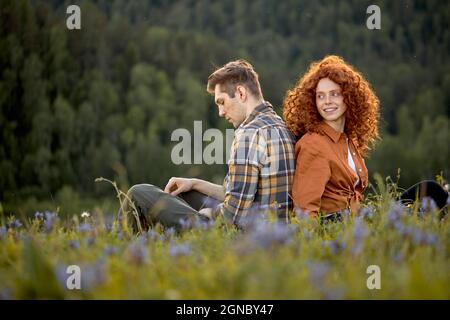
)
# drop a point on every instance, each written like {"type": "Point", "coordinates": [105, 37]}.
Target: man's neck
{"type": "Point", "coordinates": [252, 106]}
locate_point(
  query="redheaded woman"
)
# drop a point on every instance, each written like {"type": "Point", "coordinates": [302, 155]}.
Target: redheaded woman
{"type": "Point", "coordinates": [335, 112]}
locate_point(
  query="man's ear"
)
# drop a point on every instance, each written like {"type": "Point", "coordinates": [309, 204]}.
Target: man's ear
{"type": "Point", "coordinates": [241, 91]}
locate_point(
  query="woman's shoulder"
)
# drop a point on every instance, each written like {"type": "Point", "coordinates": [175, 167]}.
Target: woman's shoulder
{"type": "Point", "coordinates": [311, 138]}
{"type": "Point", "coordinates": [311, 141]}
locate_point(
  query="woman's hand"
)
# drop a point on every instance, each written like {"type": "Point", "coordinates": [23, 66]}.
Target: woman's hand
{"type": "Point", "coordinates": [176, 185]}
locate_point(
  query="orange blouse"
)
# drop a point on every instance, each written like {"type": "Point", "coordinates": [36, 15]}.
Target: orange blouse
{"type": "Point", "coordinates": [323, 179]}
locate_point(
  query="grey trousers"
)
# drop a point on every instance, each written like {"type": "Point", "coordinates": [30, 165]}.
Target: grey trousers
{"type": "Point", "coordinates": [155, 206]}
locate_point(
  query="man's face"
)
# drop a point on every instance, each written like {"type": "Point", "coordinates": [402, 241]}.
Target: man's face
{"type": "Point", "coordinates": [231, 109]}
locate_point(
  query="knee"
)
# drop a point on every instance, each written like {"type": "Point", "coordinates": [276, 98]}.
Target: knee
{"type": "Point", "coordinates": [139, 189]}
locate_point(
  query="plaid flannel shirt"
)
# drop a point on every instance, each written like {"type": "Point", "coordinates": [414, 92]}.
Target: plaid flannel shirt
{"type": "Point", "coordinates": [261, 167]}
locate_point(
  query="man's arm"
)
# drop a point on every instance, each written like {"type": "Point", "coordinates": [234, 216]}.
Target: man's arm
{"type": "Point", "coordinates": [213, 190]}
{"type": "Point", "coordinates": [243, 174]}
{"type": "Point", "coordinates": [176, 186]}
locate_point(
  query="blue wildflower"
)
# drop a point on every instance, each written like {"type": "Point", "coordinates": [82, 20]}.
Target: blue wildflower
{"type": "Point", "coordinates": [317, 273]}
{"type": "Point", "coordinates": [367, 212]}
{"type": "Point", "coordinates": [307, 234]}
{"type": "Point", "coordinates": [74, 244]}
{"type": "Point", "coordinates": [84, 227]}
{"type": "Point", "coordinates": [15, 224]}
{"type": "Point", "coordinates": [169, 233]}
{"type": "Point", "coordinates": [398, 257]}
{"type": "Point", "coordinates": [176, 250]}
{"type": "Point", "coordinates": [154, 236]}
{"type": "Point", "coordinates": [90, 241]}
{"type": "Point", "coordinates": [395, 213]}
{"type": "Point", "coordinates": [5, 294]}
{"type": "Point", "coordinates": [431, 239]}
{"type": "Point", "coordinates": [107, 226]}
{"type": "Point", "coordinates": [267, 234]}
{"type": "Point", "coordinates": [252, 220]}
{"type": "Point", "coordinates": [302, 214]}
{"type": "Point", "coordinates": [138, 253]}
{"type": "Point", "coordinates": [92, 275]}
{"type": "Point", "coordinates": [186, 224]}
{"type": "Point", "coordinates": [3, 232]}
{"type": "Point", "coordinates": [110, 250]}
{"type": "Point", "coordinates": [39, 215]}
{"type": "Point", "coordinates": [49, 221]}
{"type": "Point", "coordinates": [428, 204]}
{"type": "Point", "coordinates": [204, 225]}
{"type": "Point", "coordinates": [359, 230]}
{"type": "Point", "coordinates": [336, 247]}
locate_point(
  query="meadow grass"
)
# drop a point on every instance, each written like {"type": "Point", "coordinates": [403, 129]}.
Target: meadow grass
{"type": "Point", "coordinates": [270, 260]}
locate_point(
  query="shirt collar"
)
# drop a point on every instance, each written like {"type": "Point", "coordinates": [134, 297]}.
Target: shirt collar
{"type": "Point", "coordinates": [261, 108]}
{"type": "Point", "coordinates": [330, 131]}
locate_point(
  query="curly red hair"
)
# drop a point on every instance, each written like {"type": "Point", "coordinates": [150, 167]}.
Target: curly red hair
{"type": "Point", "coordinates": [362, 115]}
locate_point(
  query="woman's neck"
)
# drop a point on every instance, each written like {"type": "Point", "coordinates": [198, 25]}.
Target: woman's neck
{"type": "Point", "coordinates": [338, 124]}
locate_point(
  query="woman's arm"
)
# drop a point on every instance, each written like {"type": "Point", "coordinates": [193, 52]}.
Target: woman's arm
{"type": "Point", "coordinates": [312, 173]}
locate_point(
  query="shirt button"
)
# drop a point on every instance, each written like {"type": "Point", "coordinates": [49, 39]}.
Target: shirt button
{"type": "Point", "coordinates": [360, 170]}
{"type": "Point", "coordinates": [354, 153]}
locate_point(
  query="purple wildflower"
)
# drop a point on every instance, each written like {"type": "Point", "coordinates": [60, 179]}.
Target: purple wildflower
{"type": "Point", "coordinates": [176, 250]}
{"type": "Point", "coordinates": [110, 250]}
{"type": "Point", "coordinates": [267, 234]}
{"type": "Point", "coordinates": [92, 275]}
{"type": "Point", "coordinates": [84, 227]}
{"type": "Point", "coordinates": [49, 221]}
{"type": "Point", "coordinates": [169, 233]}
{"type": "Point", "coordinates": [317, 273]}
{"type": "Point", "coordinates": [154, 236]}
{"type": "Point", "coordinates": [307, 234]}
{"type": "Point", "coordinates": [398, 257]}
{"type": "Point", "coordinates": [431, 239]}
{"type": "Point", "coordinates": [3, 232]}
{"type": "Point", "coordinates": [15, 224]}
{"type": "Point", "coordinates": [5, 294]}
{"type": "Point", "coordinates": [138, 253]}
{"type": "Point", "coordinates": [107, 226]}
{"type": "Point", "coordinates": [336, 247]}
{"type": "Point", "coordinates": [302, 214]}
{"type": "Point", "coordinates": [204, 225]}
{"type": "Point", "coordinates": [428, 204]}
{"type": "Point", "coordinates": [395, 213]}
{"type": "Point", "coordinates": [367, 212]}
{"type": "Point", "coordinates": [90, 241]}
{"type": "Point", "coordinates": [186, 224]}
{"type": "Point", "coordinates": [360, 230]}
{"type": "Point", "coordinates": [39, 215]}
{"type": "Point", "coordinates": [74, 244]}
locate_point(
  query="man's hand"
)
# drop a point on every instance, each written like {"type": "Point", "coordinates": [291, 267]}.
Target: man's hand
{"type": "Point", "coordinates": [176, 185]}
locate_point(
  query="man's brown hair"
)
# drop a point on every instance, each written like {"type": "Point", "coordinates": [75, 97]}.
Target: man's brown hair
{"type": "Point", "coordinates": [235, 73]}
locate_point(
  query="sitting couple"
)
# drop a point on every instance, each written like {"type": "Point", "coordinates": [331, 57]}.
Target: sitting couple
{"type": "Point", "coordinates": [335, 114]}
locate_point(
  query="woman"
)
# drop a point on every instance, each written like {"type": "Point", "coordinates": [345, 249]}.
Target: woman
{"type": "Point", "coordinates": [335, 112]}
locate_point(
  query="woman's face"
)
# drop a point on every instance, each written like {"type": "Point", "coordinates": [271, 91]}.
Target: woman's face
{"type": "Point", "coordinates": [330, 102]}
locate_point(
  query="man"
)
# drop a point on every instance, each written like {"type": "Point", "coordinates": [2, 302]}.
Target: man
{"type": "Point", "coordinates": [260, 169]}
